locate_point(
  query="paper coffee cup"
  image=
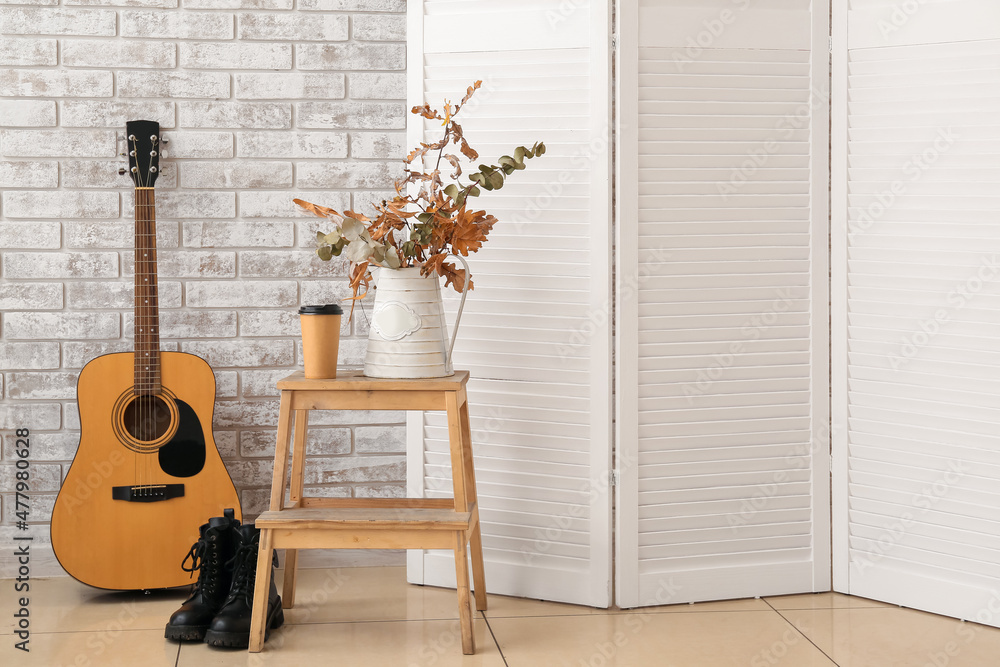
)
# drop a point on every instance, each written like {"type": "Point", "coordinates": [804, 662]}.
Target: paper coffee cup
{"type": "Point", "coordinates": [320, 339]}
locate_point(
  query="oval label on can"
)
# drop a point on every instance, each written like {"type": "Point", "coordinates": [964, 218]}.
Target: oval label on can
{"type": "Point", "coordinates": [395, 320]}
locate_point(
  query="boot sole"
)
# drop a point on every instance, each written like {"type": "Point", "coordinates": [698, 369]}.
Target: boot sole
{"type": "Point", "coordinates": [242, 639]}
{"type": "Point", "coordinates": [185, 633]}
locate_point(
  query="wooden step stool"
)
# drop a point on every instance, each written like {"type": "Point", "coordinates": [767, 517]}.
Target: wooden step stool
{"type": "Point", "coordinates": [370, 523]}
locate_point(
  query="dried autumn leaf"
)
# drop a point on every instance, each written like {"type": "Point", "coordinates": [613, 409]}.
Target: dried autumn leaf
{"type": "Point", "coordinates": [453, 160]}
{"type": "Point", "coordinates": [417, 152]}
{"type": "Point", "coordinates": [447, 270]}
{"type": "Point", "coordinates": [470, 231]}
{"type": "Point", "coordinates": [454, 276]}
{"type": "Point", "coordinates": [468, 93]}
{"type": "Point", "coordinates": [459, 138]}
{"type": "Point", "coordinates": [356, 216]}
{"type": "Point", "coordinates": [426, 112]}
{"type": "Point", "coordinates": [319, 211]}
{"type": "Point", "coordinates": [438, 145]}
{"type": "Point", "coordinates": [433, 264]}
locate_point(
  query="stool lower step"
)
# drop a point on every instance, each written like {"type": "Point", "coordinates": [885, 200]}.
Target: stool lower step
{"type": "Point", "coordinates": [330, 518]}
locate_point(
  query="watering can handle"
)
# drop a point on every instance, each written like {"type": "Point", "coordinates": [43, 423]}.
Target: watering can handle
{"type": "Point", "coordinates": [461, 307]}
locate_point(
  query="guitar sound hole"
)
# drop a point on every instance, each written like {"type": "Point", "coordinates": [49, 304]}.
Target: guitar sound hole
{"type": "Point", "coordinates": [147, 418]}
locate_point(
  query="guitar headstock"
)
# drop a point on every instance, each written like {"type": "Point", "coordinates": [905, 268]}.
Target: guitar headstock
{"type": "Point", "coordinates": [143, 144]}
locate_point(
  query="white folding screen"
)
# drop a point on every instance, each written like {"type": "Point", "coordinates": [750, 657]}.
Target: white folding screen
{"type": "Point", "coordinates": [916, 311]}
{"type": "Point", "coordinates": [722, 351]}
{"type": "Point", "coordinates": [536, 332]}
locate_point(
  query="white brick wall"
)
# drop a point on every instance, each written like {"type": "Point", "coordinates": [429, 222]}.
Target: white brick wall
{"type": "Point", "coordinates": [262, 101]}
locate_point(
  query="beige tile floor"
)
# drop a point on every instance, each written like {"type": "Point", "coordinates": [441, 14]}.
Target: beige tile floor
{"type": "Point", "coordinates": [370, 617]}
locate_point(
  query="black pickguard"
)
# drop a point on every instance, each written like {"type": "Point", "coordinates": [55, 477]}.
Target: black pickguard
{"type": "Point", "coordinates": [184, 455]}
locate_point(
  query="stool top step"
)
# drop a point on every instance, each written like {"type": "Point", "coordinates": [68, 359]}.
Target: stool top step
{"type": "Point", "coordinates": [354, 380]}
{"type": "Point", "coordinates": [369, 518]}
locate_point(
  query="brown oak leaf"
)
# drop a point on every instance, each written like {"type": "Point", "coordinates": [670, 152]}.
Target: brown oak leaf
{"type": "Point", "coordinates": [468, 93]}
{"type": "Point", "coordinates": [463, 145]}
{"type": "Point", "coordinates": [453, 160]}
{"type": "Point", "coordinates": [427, 112]}
{"type": "Point", "coordinates": [468, 234]}
{"type": "Point", "coordinates": [451, 274]}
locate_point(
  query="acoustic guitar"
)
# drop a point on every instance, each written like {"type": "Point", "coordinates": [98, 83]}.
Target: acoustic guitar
{"type": "Point", "coordinates": [147, 472]}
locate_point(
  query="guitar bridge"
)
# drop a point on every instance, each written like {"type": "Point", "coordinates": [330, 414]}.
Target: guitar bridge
{"type": "Point", "coordinates": [147, 493]}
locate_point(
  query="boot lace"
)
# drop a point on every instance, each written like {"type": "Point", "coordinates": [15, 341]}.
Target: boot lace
{"type": "Point", "coordinates": [206, 567]}
{"type": "Point", "coordinates": [244, 567]}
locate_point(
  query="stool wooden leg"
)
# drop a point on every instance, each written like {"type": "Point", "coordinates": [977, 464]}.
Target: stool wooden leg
{"type": "Point", "coordinates": [281, 452]}
{"type": "Point", "coordinates": [464, 600]}
{"type": "Point", "coordinates": [295, 498]}
{"type": "Point", "coordinates": [476, 539]}
{"type": "Point", "coordinates": [258, 617]}
{"type": "Point", "coordinates": [458, 474]}
{"type": "Point", "coordinates": [288, 586]}
{"type": "Point", "coordinates": [298, 456]}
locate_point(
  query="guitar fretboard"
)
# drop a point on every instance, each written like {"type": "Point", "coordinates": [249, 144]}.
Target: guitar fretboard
{"type": "Point", "coordinates": [147, 324]}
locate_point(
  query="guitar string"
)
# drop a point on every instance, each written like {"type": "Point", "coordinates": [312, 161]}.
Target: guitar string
{"type": "Point", "coordinates": [145, 415]}
{"type": "Point", "coordinates": [148, 339]}
{"type": "Point", "coordinates": [137, 325]}
{"type": "Point", "coordinates": [143, 411]}
{"type": "Point", "coordinates": [143, 393]}
{"type": "Point", "coordinates": [137, 379]}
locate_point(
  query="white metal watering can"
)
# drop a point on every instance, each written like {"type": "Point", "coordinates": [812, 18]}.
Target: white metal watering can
{"type": "Point", "coordinates": [408, 332]}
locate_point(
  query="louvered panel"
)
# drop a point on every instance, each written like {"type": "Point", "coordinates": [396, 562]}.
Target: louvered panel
{"type": "Point", "coordinates": [723, 354]}
{"type": "Point", "coordinates": [734, 452]}
{"type": "Point", "coordinates": [738, 557]}
{"type": "Point", "coordinates": [529, 335]}
{"type": "Point", "coordinates": [937, 517]}
{"type": "Point", "coordinates": [947, 511]}
{"type": "Point", "coordinates": [724, 517]}
{"type": "Point", "coordinates": [920, 280]}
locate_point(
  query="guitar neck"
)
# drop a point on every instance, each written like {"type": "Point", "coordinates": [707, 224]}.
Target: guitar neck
{"type": "Point", "coordinates": [147, 321]}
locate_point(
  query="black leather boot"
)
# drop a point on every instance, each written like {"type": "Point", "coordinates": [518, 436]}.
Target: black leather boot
{"type": "Point", "coordinates": [215, 546]}
{"type": "Point", "coordinates": [231, 626]}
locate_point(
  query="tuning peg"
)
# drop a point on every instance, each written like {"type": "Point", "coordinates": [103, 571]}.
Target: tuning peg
{"type": "Point", "coordinates": [121, 171]}
{"type": "Point", "coordinates": [123, 154]}
{"type": "Point", "coordinates": [164, 140]}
